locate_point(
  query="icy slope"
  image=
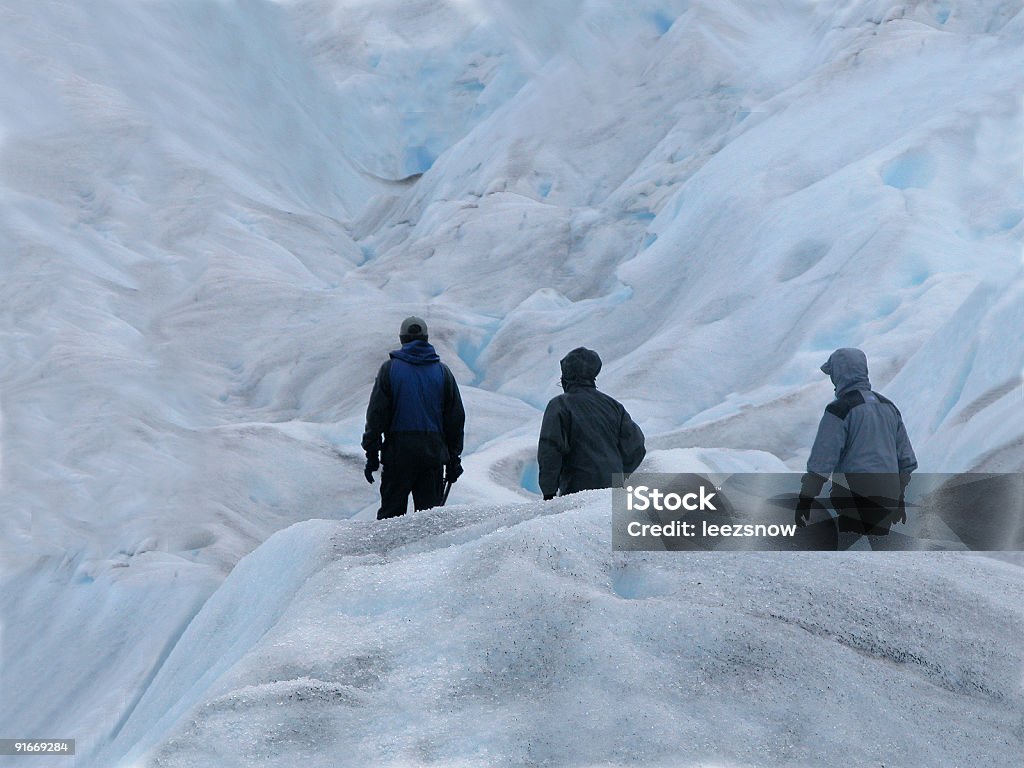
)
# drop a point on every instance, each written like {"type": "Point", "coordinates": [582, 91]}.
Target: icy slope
{"type": "Point", "coordinates": [212, 221]}
{"type": "Point", "coordinates": [512, 635]}
{"type": "Point", "coordinates": [727, 203]}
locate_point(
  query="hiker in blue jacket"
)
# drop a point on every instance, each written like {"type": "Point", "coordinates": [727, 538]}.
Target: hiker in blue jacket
{"type": "Point", "coordinates": [414, 425]}
{"type": "Point", "coordinates": [863, 446]}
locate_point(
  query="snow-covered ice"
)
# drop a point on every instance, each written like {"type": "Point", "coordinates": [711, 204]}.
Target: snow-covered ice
{"type": "Point", "coordinates": [213, 216]}
{"type": "Point", "coordinates": [509, 635]}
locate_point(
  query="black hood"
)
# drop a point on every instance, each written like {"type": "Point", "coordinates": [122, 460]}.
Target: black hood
{"type": "Point", "coordinates": [848, 369]}
{"type": "Point", "coordinates": [580, 367]}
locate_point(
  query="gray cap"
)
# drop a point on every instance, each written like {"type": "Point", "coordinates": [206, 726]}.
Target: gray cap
{"type": "Point", "coordinates": [413, 326]}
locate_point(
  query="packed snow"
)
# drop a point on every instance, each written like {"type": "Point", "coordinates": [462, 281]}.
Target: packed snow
{"type": "Point", "coordinates": [213, 217]}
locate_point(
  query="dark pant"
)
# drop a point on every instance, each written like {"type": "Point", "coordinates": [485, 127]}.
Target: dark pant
{"type": "Point", "coordinates": [870, 516]}
{"type": "Point", "coordinates": [866, 503]}
{"type": "Point", "coordinates": [397, 481]}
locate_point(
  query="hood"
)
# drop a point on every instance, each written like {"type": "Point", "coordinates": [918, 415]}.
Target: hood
{"type": "Point", "coordinates": [580, 367]}
{"type": "Point", "coordinates": [416, 352]}
{"type": "Point", "coordinates": [848, 369]}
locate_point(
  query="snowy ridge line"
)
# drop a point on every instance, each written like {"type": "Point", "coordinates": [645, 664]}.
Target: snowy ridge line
{"type": "Point", "coordinates": [519, 601]}
{"type": "Point", "coordinates": [442, 527]}
{"type": "Point", "coordinates": [432, 529]}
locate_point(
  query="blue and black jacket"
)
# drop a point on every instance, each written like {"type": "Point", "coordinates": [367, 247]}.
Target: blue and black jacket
{"type": "Point", "coordinates": [415, 413]}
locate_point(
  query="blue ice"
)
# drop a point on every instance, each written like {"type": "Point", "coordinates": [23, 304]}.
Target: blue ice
{"type": "Point", "coordinates": [828, 339]}
{"type": "Point", "coordinates": [886, 306]}
{"type": "Point", "coordinates": [530, 478]}
{"type": "Point", "coordinates": [1010, 219]}
{"type": "Point", "coordinates": [911, 169]}
{"type": "Point", "coordinates": [418, 159]}
{"type": "Point", "coordinates": [470, 355]}
{"type": "Point", "coordinates": [918, 277]}
{"type": "Point", "coordinates": [632, 583]}
{"type": "Point", "coordinates": [662, 21]}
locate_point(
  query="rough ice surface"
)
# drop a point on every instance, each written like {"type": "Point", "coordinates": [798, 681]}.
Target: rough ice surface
{"type": "Point", "coordinates": [213, 216]}
{"type": "Point", "coordinates": [511, 635]}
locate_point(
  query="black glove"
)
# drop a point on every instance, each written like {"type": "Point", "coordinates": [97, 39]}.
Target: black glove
{"type": "Point", "coordinates": [548, 496]}
{"type": "Point", "coordinates": [372, 465]}
{"type": "Point", "coordinates": [803, 510]}
{"type": "Point", "coordinates": [452, 471]}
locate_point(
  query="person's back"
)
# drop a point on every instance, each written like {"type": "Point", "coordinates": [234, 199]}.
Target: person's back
{"type": "Point", "coordinates": [416, 378]}
{"type": "Point", "coordinates": [414, 425]}
{"type": "Point", "coordinates": [586, 436]}
{"type": "Point", "coordinates": [861, 431]}
{"type": "Point", "coordinates": [862, 443]}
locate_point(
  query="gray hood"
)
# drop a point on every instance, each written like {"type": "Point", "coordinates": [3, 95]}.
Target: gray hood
{"type": "Point", "coordinates": [848, 369]}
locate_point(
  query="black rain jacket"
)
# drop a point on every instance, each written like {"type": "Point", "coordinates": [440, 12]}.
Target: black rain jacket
{"type": "Point", "coordinates": [586, 436]}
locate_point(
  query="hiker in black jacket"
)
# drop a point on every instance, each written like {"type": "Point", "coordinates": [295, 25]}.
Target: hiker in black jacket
{"type": "Point", "coordinates": [586, 436]}
{"type": "Point", "coordinates": [417, 409]}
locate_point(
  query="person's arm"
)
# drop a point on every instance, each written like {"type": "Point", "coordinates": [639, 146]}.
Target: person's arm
{"type": "Point", "coordinates": [825, 453]}
{"type": "Point", "coordinates": [906, 461]}
{"type": "Point", "coordinates": [454, 416]}
{"type": "Point", "coordinates": [454, 425]}
{"type": "Point", "coordinates": [631, 443]}
{"type": "Point", "coordinates": [552, 447]}
{"type": "Point", "coordinates": [904, 450]}
{"type": "Point", "coordinates": [378, 414]}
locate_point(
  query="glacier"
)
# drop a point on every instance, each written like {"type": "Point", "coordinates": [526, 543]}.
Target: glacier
{"type": "Point", "coordinates": [213, 216]}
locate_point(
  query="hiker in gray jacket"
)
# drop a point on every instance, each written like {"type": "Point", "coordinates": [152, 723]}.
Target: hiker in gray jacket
{"type": "Point", "coordinates": [862, 437]}
{"type": "Point", "coordinates": [586, 436]}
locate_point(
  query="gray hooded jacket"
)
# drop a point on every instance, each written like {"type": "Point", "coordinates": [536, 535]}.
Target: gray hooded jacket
{"type": "Point", "coordinates": [860, 431]}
